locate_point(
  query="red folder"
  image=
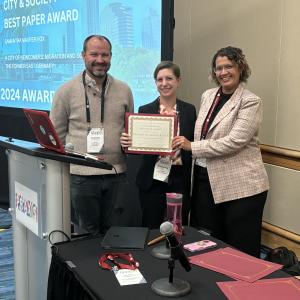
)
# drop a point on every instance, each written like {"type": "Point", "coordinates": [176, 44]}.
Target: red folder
{"type": "Point", "coordinates": [235, 264]}
{"type": "Point", "coordinates": [264, 289]}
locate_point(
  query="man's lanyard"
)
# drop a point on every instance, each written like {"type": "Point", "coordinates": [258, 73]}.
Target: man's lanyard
{"type": "Point", "coordinates": [87, 103]}
{"type": "Point", "coordinates": [207, 122]}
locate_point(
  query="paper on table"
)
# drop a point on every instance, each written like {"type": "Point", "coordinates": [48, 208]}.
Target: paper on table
{"type": "Point", "coordinates": [264, 289]}
{"type": "Point", "coordinates": [235, 264]}
{"type": "Point", "coordinates": [129, 277]}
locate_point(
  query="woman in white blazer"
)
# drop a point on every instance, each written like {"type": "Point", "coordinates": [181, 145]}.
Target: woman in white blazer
{"type": "Point", "coordinates": [230, 181]}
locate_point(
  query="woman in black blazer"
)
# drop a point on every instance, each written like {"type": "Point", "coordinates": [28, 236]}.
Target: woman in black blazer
{"type": "Point", "coordinates": [152, 192]}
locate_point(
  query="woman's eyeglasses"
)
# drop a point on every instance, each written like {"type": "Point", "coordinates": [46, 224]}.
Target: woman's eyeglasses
{"type": "Point", "coordinates": [219, 69]}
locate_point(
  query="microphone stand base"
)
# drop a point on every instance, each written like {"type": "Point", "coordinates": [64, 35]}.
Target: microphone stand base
{"type": "Point", "coordinates": [165, 288]}
{"type": "Point", "coordinates": [161, 252]}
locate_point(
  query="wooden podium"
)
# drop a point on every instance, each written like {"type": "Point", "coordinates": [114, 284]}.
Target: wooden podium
{"type": "Point", "coordinates": [39, 193]}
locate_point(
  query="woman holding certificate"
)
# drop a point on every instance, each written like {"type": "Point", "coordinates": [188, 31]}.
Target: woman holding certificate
{"type": "Point", "coordinates": [153, 180]}
{"type": "Point", "coordinates": [230, 181]}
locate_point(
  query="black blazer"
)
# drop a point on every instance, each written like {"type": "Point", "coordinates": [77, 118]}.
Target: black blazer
{"type": "Point", "coordinates": [187, 119]}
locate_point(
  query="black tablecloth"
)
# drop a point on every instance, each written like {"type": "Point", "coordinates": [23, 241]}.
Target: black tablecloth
{"type": "Point", "coordinates": [75, 273]}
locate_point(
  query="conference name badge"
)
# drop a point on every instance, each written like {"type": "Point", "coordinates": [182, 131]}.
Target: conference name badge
{"type": "Point", "coordinates": [129, 277]}
{"type": "Point", "coordinates": [95, 140]}
{"type": "Point", "coordinates": [162, 169]}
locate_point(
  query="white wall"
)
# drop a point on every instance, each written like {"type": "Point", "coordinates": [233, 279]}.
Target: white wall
{"type": "Point", "coordinates": [268, 31]}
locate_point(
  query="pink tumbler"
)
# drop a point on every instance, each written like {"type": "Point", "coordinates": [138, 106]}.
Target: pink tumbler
{"type": "Point", "coordinates": [174, 209]}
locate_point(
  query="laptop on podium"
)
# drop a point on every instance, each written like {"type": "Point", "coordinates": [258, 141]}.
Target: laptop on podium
{"type": "Point", "coordinates": [44, 130]}
{"type": "Point", "coordinates": [47, 136]}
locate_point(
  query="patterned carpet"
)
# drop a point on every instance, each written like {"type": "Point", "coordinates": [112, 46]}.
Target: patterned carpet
{"type": "Point", "coordinates": [7, 284]}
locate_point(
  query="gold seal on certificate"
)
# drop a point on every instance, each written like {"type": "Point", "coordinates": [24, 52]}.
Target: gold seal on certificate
{"type": "Point", "coordinates": [151, 133]}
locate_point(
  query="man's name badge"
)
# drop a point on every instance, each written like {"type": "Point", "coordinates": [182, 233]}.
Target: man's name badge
{"type": "Point", "coordinates": [95, 140]}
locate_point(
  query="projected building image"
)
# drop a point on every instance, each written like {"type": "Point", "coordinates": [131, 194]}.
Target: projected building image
{"type": "Point", "coordinates": [42, 43]}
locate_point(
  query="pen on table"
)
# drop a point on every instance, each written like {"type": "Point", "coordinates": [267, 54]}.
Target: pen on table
{"type": "Point", "coordinates": [156, 240]}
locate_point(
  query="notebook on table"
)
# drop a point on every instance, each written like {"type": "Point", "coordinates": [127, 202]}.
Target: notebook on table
{"type": "Point", "coordinates": [235, 264]}
{"type": "Point", "coordinates": [125, 238]}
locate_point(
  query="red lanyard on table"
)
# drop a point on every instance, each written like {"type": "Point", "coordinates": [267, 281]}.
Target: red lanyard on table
{"type": "Point", "coordinates": [207, 123]}
{"type": "Point", "coordinates": [131, 264]}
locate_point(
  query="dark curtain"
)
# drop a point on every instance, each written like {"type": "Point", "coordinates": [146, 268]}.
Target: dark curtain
{"type": "Point", "coordinates": [62, 284]}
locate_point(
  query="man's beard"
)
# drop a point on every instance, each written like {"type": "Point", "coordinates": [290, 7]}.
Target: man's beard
{"type": "Point", "coordinates": [102, 73]}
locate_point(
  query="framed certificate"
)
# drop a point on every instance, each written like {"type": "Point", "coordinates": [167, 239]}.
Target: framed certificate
{"type": "Point", "coordinates": [151, 133]}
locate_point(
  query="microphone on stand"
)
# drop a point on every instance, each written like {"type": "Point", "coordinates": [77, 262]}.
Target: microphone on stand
{"type": "Point", "coordinates": [174, 209]}
{"type": "Point", "coordinates": [172, 287]}
{"type": "Point", "coordinates": [167, 230]}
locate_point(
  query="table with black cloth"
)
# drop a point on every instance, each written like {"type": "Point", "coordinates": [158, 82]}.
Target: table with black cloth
{"type": "Point", "coordinates": [75, 273]}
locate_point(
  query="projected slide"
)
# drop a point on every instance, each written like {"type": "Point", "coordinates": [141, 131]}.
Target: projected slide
{"type": "Point", "coordinates": [41, 43]}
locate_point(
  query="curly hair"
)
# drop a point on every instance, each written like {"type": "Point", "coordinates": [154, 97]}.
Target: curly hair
{"type": "Point", "coordinates": [236, 55]}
